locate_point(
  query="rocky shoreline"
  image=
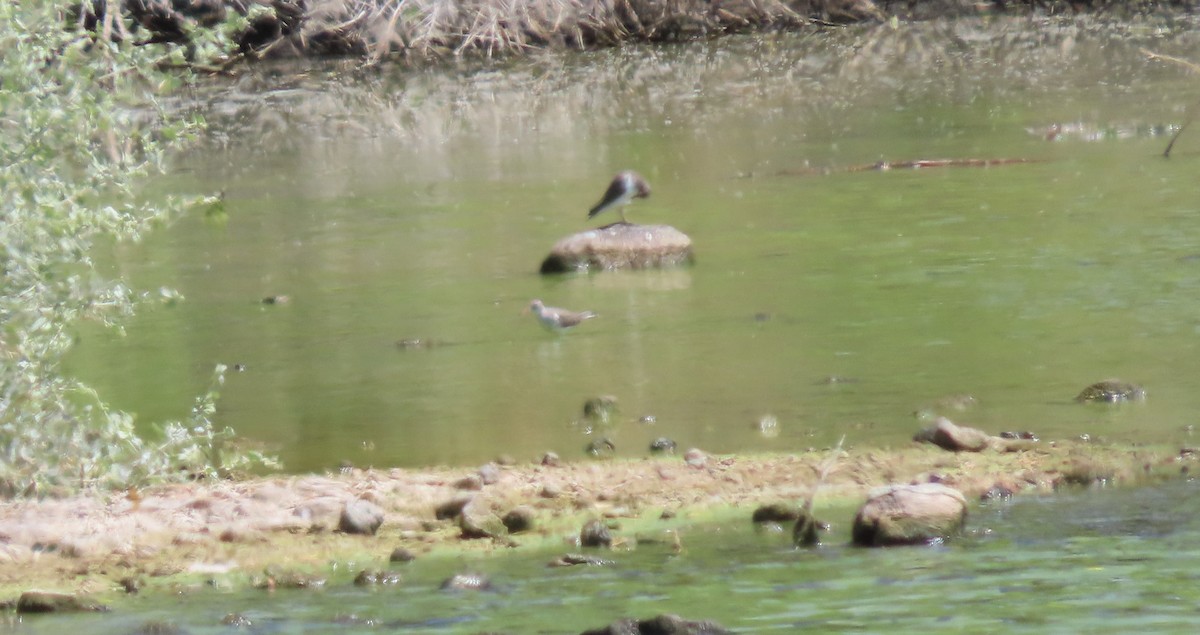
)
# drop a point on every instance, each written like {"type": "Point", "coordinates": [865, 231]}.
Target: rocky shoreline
{"type": "Point", "coordinates": [99, 543]}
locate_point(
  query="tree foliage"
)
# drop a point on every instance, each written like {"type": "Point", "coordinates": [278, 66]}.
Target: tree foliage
{"type": "Point", "coordinates": [80, 129]}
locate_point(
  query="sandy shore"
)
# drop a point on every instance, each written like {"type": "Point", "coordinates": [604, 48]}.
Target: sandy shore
{"type": "Point", "coordinates": [91, 543]}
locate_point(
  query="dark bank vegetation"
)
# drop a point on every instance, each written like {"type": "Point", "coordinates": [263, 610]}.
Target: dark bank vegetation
{"type": "Point", "coordinates": [215, 34]}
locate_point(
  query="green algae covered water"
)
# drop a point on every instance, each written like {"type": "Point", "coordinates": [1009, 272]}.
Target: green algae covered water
{"type": "Point", "coordinates": [1103, 561]}
{"type": "Point", "coordinates": [395, 204]}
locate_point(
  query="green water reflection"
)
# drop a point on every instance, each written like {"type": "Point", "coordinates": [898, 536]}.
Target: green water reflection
{"type": "Point", "coordinates": [411, 204]}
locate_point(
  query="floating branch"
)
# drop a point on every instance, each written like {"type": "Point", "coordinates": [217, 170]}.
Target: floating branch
{"type": "Point", "coordinates": [1191, 111]}
{"type": "Point", "coordinates": [883, 166]}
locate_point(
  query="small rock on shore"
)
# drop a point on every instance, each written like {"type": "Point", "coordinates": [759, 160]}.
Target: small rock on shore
{"type": "Point", "coordinates": [360, 517]}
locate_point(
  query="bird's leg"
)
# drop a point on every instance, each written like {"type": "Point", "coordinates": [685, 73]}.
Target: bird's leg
{"type": "Point", "coordinates": [621, 211]}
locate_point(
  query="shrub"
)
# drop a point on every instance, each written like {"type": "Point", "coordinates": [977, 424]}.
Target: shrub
{"type": "Point", "coordinates": [79, 129]}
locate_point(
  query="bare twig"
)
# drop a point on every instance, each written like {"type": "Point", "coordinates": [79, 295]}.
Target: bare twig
{"type": "Point", "coordinates": [805, 533]}
{"type": "Point", "coordinates": [1192, 66]}
{"type": "Point", "coordinates": [915, 164]}
{"type": "Point", "coordinates": [1191, 111]}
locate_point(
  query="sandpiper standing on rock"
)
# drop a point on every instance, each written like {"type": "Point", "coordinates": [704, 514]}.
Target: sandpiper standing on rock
{"type": "Point", "coordinates": [625, 187]}
{"type": "Point", "coordinates": [558, 319]}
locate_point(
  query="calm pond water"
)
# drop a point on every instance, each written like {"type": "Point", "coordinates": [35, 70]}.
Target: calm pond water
{"type": "Point", "coordinates": [395, 203]}
{"type": "Point", "coordinates": [1089, 561]}
{"type": "Point", "coordinates": [399, 204]}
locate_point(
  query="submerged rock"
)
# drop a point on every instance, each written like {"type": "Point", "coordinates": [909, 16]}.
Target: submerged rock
{"type": "Point", "coordinates": [158, 627]}
{"type": "Point", "coordinates": [660, 625]}
{"type": "Point", "coordinates": [573, 559]}
{"type": "Point", "coordinates": [1111, 391]}
{"type": "Point", "coordinates": [909, 514]}
{"type": "Point", "coordinates": [600, 409]}
{"type": "Point", "coordinates": [287, 579]}
{"type": "Point", "coordinates": [600, 447]}
{"type": "Point", "coordinates": [1022, 435]}
{"type": "Point", "coordinates": [374, 577]}
{"type": "Point", "coordinates": [419, 343]}
{"type": "Point", "coordinates": [662, 445]}
{"type": "Point", "coordinates": [1086, 473]}
{"type": "Point", "coordinates": [620, 246]}
{"type": "Point", "coordinates": [998, 493]}
{"type": "Point", "coordinates": [466, 582]}
{"type": "Point", "coordinates": [806, 531]}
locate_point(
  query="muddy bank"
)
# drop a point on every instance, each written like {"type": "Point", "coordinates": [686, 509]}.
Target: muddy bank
{"type": "Point", "coordinates": [379, 29]}
{"type": "Point", "coordinates": [96, 542]}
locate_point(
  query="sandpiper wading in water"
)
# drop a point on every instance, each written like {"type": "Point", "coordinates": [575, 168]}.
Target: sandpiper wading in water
{"type": "Point", "coordinates": [625, 187]}
{"type": "Point", "coordinates": [558, 319]}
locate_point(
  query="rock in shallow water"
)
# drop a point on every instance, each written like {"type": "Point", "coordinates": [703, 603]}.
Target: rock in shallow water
{"type": "Point", "coordinates": [466, 582]}
{"type": "Point", "coordinates": [572, 559]}
{"type": "Point", "coordinates": [595, 534]}
{"type": "Point", "coordinates": [909, 514]}
{"type": "Point", "coordinates": [660, 625]}
{"type": "Point", "coordinates": [776, 513]}
{"type": "Point", "coordinates": [373, 577]}
{"type": "Point", "coordinates": [620, 246]}
{"type": "Point", "coordinates": [51, 602]}
{"type": "Point", "coordinates": [1111, 391]}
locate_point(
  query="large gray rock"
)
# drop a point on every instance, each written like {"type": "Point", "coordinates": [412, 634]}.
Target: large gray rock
{"type": "Point", "coordinates": [620, 246]}
{"type": "Point", "coordinates": [909, 514]}
{"type": "Point", "coordinates": [945, 434]}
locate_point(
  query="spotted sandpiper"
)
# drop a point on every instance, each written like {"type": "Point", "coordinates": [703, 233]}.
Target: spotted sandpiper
{"type": "Point", "coordinates": [558, 319]}
{"type": "Point", "coordinates": [625, 187]}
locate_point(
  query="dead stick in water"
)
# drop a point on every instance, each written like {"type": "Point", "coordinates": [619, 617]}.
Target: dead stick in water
{"type": "Point", "coordinates": [1194, 67]}
{"type": "Point", "coordinates": [805, 533]}
{"type": "Point", "coordinates": [1191, 111]}
{"type": "Point", "coordinates": [1175, 137]}
{"type": "Point", "coordinates": [916, 164]}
